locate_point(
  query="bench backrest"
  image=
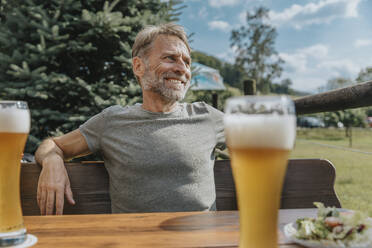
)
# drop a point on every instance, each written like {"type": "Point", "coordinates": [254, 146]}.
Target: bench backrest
{"type": "Point", "coordinates": [89, 185]}
{"type": "Point", "coordinates": [307, 180]}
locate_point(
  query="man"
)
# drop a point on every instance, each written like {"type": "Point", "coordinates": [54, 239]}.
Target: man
{"type": "Point", "coordinates": [159, 154]}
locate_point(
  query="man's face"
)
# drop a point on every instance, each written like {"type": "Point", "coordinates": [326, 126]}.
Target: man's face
{"type": "Point", "coordinates": [167, 68]}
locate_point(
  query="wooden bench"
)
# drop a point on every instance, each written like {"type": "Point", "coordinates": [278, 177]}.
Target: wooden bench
{"type": "Point", "coordinates": [306, 181]}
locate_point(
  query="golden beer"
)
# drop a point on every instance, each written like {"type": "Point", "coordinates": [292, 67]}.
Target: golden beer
{"type": "Point", "coordinates": [14, 127]}
{"type": "Point", "coordinates": [11, 148]}
{"type": "Point", "coordinates": [259, 146]}
{"type": "Point", "coordinates": [259, 172]}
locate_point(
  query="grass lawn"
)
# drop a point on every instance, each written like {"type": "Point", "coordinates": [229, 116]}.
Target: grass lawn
{"type": "Point", "coordinates": [353, 169]}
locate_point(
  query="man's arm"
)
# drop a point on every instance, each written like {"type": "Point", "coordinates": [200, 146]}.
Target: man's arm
{"type": "Point", "coordinates": [53, 181]}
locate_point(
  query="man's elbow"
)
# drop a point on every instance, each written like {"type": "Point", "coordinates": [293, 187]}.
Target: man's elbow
{"type": "Point", "coordinates": [47, 148]}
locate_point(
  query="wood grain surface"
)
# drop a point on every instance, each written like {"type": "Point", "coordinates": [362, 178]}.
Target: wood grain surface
{"type": "Point", "coordinates": [182, 229]}
{"type": "Point", "coordinates": [306, 181]}
{"type": "Point", "coordinates": [355, 96]}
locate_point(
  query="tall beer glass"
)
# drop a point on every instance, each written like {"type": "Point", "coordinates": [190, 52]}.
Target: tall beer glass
{"type": "Point", "coordinates": [260, 132]}
{"type": "Point", "coordinates": [14, 128]}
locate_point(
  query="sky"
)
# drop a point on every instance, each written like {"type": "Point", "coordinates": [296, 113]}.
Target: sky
{"type": "Point", "coordinates": [318, 39]}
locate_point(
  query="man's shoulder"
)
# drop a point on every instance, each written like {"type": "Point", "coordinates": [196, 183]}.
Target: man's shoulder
{"type": "Point", "coordinates": [198, 106]}
{"type": "Point", "coordinates": [118, 110]}
{"type": "Point", "coordinates": [202, 107]}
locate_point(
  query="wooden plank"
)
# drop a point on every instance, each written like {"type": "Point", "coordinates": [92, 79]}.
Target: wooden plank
{"type": "Point", "coordinates": [307, 180]}
{"type": "Point", "coordinates": [355, 96]}
{"type": "Point", "coordinates": [181, 229]}
{"type": "Point", "coordinates": [225, 188]}
{"type": "Point", "coordinates": [249, 87]}
{"type": "Point", "coordinates": [29, 179]}
{"type": "Point", "coordinates": [89, 184]}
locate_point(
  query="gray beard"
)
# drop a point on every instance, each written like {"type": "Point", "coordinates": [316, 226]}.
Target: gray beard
{"type": "Point", "coordinates": [152, 83]}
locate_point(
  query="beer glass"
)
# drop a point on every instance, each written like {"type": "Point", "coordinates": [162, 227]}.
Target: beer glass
{"type": "Point", "coordinates": [14, 128]}
{"type": "Point", "coordinates": [260, 132]}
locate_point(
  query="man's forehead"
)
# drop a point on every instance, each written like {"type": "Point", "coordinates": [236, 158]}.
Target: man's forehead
{"type": "Point", "coordinates": [169, 44]}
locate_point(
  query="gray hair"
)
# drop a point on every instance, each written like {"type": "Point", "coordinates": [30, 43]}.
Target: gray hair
{"type": "Point", "coordinates": [147, 35]}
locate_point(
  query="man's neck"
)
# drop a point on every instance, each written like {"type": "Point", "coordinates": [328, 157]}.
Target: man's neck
{"type": "Point", "coordinates": [153, 102]}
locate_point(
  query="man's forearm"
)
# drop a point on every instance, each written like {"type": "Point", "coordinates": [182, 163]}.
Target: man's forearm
{"type": "Point", "coordinates": [53, 180]}
{"type": "Point", "coordinates": [47, 149]}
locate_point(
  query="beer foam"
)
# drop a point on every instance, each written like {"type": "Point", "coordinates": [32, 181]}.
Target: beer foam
{"type": "Point", "coordinates": [14, 120]}
{"type": "Point", "coordinates": [260, 131]}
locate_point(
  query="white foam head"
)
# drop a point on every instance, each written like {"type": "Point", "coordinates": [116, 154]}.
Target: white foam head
{"type": "Point", "coordinates": [14, 117]}
{"type": "Point", "coordinates": [260, 131]}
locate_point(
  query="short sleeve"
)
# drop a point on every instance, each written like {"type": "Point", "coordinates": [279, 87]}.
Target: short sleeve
{"type": "Point", "coordinates": [217, 118]}
{"type": "Point", "coordinates": [92, 131]}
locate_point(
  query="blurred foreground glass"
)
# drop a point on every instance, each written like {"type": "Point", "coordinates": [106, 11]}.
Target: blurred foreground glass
{"type": "Point", "coordinates": [14, 129]}
{"type": "Point", "coordinates": [260, 132]}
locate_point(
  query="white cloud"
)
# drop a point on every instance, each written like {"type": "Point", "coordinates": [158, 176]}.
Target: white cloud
{"type": "Point", "coordinates": [228, 55]}
{"type": "Point", "coordinates": [298, 61]}
{"type": "Point", "coordinates": [306, 83]}
{"type": "Point", "coordinates": [220, 25]}
{"type": "Point", "coordinates": [352, 8]}
{"type": "Point", "coordinates": [317, 51]}
{"type": "Point", "coordinates": [243, 17]}
{"type": "Point", "coordinates": [203, 13]}
{"type": "Point", "coordinates": [324, 11]}
{"type": "Point", "coordinates": [220, 3]}
{"type": "Point", "coordinates": [361, 43]}
{"type": "Point", "coordinates": [339, 67]}
{"type": "Point", "coordinates": [310, 67]}
{"type": "Point", "coordinates": [294, 62]}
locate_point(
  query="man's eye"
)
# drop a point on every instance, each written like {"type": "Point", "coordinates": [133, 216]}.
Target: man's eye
{"type": "Point", "coordinates": [170, 58]}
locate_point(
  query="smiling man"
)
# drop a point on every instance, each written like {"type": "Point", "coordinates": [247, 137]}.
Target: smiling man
{"type": "Point", "coordinates": [159, 154]}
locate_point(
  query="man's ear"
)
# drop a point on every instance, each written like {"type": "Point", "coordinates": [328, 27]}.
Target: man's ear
{"type": "Point", "coordinates": [138, 66]}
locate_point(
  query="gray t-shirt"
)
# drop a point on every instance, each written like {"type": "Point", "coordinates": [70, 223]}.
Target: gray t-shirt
{"type": "Point", "coordinates": [158, 161]}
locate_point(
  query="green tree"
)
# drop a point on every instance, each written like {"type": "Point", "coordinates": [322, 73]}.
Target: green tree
{"type": "Point", "coordinates": [254, 45]}
{"type": "Point", "coordinates": [331, 119]}
{"type": "Point", "coordinates": [206, 96]}
{"type": "Point", "coordinates": [232, 74]}
{"type": "Point", "coordinates": [349, 118]}
{"type": "Point", "coordinates": [365, 75]}
{"type": "Point", "coordinates": [352, 118]}
{"type": "Point", "coordinates": [224, 68]}
{"type": "Point", "coordinates": [284, 87]}
{"type": "Point", "coordinates": [368, 111]}
{"type": "Point", "coordinates": [335, 83]}
{"type": "Point", "coordinates": [207, 60]}
{"type": "Point", "coordinates": [70, 59]}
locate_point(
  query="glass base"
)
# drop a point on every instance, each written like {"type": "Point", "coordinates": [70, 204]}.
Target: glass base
{"type": "Point", "coordinates": [13, 238]}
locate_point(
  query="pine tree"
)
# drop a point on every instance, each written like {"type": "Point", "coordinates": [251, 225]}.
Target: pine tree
{"type": "Point", "coordinates": [70, 59]}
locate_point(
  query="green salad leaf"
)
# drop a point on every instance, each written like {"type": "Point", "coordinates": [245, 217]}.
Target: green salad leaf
{"type": "Point", "coordinates": [332, 224]}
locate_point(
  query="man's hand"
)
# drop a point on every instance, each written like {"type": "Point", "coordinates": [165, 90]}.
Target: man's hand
{"type": "Point", "coordinates": [53, 181]}
{"type": "Point", "coordinates": [53, 185]}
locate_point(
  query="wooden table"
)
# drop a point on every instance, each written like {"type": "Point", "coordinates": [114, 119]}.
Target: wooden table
{"type": "Point", "coordinates": [182, 229]}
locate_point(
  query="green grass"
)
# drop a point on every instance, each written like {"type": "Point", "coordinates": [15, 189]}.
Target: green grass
{"type": "Point", "coordinates": [361, 138]}
{"type": "Point", "coordinates": [353, 170]}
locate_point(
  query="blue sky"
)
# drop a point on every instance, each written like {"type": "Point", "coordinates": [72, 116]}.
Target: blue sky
{"type": "Point", "coordinates": [318, 39]}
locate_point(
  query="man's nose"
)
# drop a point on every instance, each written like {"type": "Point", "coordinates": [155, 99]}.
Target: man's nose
{"type": "Point", "coordinates": [182, 68]}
